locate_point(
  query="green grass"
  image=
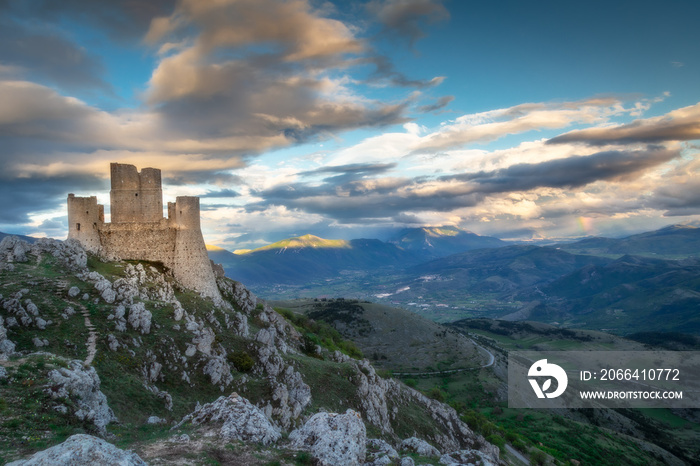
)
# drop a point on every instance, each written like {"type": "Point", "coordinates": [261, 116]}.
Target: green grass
{"type": "Point", "coordinates": [28, 422]}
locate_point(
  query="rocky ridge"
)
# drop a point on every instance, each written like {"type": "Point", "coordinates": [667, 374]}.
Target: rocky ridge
{"type": "Point", "coordinates": [172, 341]}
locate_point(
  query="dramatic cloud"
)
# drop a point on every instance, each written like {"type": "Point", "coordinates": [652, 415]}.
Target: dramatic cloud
{"type": "Point", "coordinates": [263, 74]}
{"type": "Point", "coordinates": [682, 124]}
{"type": "Point", "coordinates": [348, 199]}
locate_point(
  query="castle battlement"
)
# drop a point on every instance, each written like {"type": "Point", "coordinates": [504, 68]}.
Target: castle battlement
{"type": "Point", "coordinates": [138, 230]}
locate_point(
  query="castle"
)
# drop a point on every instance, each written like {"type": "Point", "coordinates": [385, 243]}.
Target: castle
{"type": "Point", "coordinates": [138, 230]}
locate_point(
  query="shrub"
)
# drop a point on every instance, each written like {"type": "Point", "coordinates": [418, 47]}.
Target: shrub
{"type": "Point", "coordinates": [537, 457]}
{"type": "Point", "coordinates": [241, 360]}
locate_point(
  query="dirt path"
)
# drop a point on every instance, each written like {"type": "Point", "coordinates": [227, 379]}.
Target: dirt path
{"type": "Point", "coordinates": [92, 337]}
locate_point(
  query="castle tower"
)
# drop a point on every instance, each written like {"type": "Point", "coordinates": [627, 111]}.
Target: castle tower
{"type": "Point", "coordinates": [191, 265]}
{"type": "Point", "coordinates": [135, 197]}
{"type": "Point", "coordinates": [85, 217]}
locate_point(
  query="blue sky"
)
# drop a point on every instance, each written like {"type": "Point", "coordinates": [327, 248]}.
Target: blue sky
{"type": "Point", "coordinates": [523, 120]}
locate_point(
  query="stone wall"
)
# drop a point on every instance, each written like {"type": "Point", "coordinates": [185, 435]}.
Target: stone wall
{"type": "Point", "coordinates": [134, 241]}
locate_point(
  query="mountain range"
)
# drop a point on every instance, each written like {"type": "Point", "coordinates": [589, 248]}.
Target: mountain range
{"type": "Point", "coordinates": [644, 282]}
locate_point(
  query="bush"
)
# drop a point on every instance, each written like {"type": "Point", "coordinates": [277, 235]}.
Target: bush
{"type": "Point", "coordinates": [241, 360]}
{"type": "Point", "coordinates": [436, 394]}
{"type": "Point", "coordinates": [497, 440]}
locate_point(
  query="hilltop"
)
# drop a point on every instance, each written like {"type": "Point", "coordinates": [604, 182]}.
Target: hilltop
{"type": "Point", "coordinates": [121, 350]}
{"type": "Point", "coordinates": [433, 242]}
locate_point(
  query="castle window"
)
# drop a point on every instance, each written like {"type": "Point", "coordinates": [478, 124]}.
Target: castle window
{"type": "Point", "coordinates": [136, 194]}
{"type": "Point", "coordinates": [77, 226]}
{"type": "Point", "coordinates": [87, 212]}
{"type": "Point", "coordinates": [94, 226]}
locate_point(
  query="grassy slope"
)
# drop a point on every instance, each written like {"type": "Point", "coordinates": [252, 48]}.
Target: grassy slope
{"type": "Point", "coordinates": [29, 423]}
{"type": "Point", "coordinates": [392, 338]}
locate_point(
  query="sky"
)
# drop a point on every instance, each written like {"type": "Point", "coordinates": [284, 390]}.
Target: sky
{"type": "Point", "coordinates": [521, 120]}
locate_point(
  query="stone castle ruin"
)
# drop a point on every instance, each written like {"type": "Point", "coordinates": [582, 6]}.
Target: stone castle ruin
{"type": "Point", "coordinates": [138, 230]}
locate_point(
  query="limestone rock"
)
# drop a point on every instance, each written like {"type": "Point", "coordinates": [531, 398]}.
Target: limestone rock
{"type": "Point", "coordinates": [239, 420]}
{"type": "Point", "coordinates": [73, 291]}
{"type": "Point", "coordinates": [407, 461]}
{"type": "Point", "coordinates": [14, 249]}
{"type": "Point", "coordinates": [419, 446]}
{"type": "Point", "coordinates": [82, 449]}
{"type": "Point", "coordinates": [140, 318]}
{"type": "Point", "coordinates": [381, 453]}
{"type": "Point", "coordinates": [333, 438]}
{"type": "Point", "coordinates": [155, 420]}
{"type": "Point", "coordinates": [82, 385]}
{"type": "Point", "coordinates": [239, 294]}
{"type": "Point", "coordinates": [219, 371]}
{"type": "Point", "coordinates": [70, 252]}
{"type": "Point", "coordinates": [6, 346]}
{"type": "Point", "coordinates": [38, 342]}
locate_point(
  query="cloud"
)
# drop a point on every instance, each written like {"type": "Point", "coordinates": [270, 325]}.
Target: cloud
{"type": "Point", "coordinates": [22, 196]}
{"type": "Point", "coordinates": [408, 18]}
{"type": "Point", "coordinates": [439, 104]}
{"type": "Point", "coordinates": [46, 54]}
{"type": "Point", "coordinates": [682, 124]}
{"type": "Point", "coordinates": [491, 125]}
{"type": "Point", "coordinates": [349, 199]}
{"type": "Point", "coordinates": [266, 74]}
{"type": "Point", "coordinates": [223, 193]}
{"type": "Point", "coordinates": [572, 172]}
{"type": "Point", "coordinates": [121, 19]}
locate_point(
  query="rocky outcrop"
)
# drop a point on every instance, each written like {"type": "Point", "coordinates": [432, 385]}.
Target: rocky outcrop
{"type": "Point", "coordinates": [82, 386]}
{"type": "Point", "coordinates": [82, 449]}
{"type": "Point", "coordinates": [332, 438]}
{"type": "Point", "coordinates": [235, 418]}
{"type": "Point", "coordinates": [140, 318]}
{"type": "Point", "coordinates": [70, 252]}
{"type": "Point", "coordinates": [380, 453]}
{"type": "Point", "coordinates": [419, 446]}
{"type": "Point", "coordinates": [14, 249]}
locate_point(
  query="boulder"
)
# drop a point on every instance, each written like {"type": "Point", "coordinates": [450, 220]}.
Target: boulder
{"type": "Point", "coordinates": [419, 446]}
{"type": "Point", "coordinates": [333, 438]}
{"type": "Point", "coordinates": [238, 420]}
{"type": "Point", "coordinates": [82, 449]}
{"type": "Point", "coordinates": [140, 318]}
{"type": "Point", "coordinates": [82, 386]}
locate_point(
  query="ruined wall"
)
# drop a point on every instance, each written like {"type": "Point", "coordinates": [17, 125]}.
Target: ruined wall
{"type": "Point", "coordinates": [135, 197]}
{"type": "Point", "coordinates": [85, 217]}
